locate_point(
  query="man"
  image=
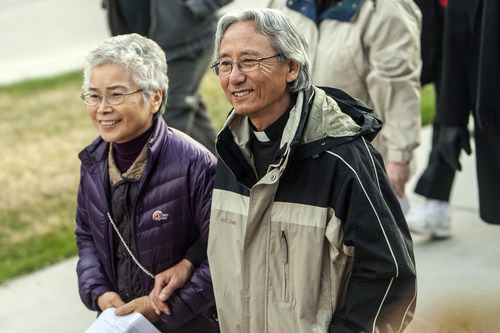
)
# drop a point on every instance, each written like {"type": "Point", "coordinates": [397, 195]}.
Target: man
{"type": "Point", "coordinates": [436, 181]}
{"type": "Point", "coordinates": [371, 50]}
{"type": "Point", "coordinates": [469, 85]}
{"type": "Point", "coordinates": [306, 233]}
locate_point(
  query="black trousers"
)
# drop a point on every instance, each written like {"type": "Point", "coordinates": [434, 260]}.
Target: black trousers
{"type": "Point", "coordinates": [488, 179]}
{"type": "Point", "coordinates": [185, 109]}
{"type": "Point", "coordinates": [437, 179]}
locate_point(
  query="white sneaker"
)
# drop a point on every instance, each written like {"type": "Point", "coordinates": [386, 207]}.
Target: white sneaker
{"type": "Point", "coordinates": [432, 218]}
{"type": "Point", "coordinates": [405, 204]}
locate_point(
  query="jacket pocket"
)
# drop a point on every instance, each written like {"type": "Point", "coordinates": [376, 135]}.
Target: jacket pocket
{"type": "Point", "coordinates": [286, 269]}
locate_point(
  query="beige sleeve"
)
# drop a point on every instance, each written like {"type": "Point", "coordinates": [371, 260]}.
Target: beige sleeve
{"type": "Point", "coordinates": [393, 79]}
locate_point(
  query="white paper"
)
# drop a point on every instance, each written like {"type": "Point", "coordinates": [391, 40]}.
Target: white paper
{"type": "Point", "coordinates": [134, 322]}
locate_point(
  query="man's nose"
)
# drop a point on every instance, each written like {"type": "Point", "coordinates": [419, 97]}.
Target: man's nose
{"type": "Point", "coordinates": [236, 74]}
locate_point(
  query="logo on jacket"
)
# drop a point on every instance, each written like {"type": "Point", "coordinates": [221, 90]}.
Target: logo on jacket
{"type": "Point", "coordinates": [160, 216]}
{"type": "Point", "coordinates": [227, 220]}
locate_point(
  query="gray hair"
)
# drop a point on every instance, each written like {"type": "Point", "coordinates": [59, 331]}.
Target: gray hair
{"type": "Point", "coordinates": [142, 58]}
{"type": "Point", "coordinates": [282, 33]}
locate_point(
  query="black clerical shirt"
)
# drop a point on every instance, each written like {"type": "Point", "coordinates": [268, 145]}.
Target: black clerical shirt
{"type": "Point", "coordinates": [265, 144]}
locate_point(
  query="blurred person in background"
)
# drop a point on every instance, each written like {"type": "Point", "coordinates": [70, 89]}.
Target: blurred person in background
{"type": "Point", "coordinates": [184, 30]}
{"type": "Point", "coordinates": [144, 195]}
{"type": "Point", "coordinates": [306, 233]}
{"type": "Point", "coordinates": [469, 85]}
{"type": "Point", "coordinates": [435, 183]}
{"type": "Point", "coordinates": [371, 50]}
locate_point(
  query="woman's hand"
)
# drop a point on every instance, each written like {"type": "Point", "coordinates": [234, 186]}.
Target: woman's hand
{"type": "Point", "coordinates": [109, 299]}
{"type": "Point", "coordinates": [167, 282]}
{"type": "Point", "coordinates": [143, 305]}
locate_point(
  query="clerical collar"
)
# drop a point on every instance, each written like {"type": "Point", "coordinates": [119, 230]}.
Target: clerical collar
{"type": "Point", "coordinates": [273, 132]}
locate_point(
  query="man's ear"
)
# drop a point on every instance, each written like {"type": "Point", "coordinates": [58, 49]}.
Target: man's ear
{"type": "Point", "coordinates": [293, 70]}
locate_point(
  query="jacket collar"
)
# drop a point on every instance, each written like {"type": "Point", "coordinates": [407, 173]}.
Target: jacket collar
{"type": "Point", "coordinates": [344, 11]}
{"type": "Point", "coordinates": [320, 119]}
{"type": "Point", "coordinates": [98, 150]}
{"type": "Point", "coordinates": [94, 157]}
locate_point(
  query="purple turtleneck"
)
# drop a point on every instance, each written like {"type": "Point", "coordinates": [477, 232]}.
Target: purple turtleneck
{"type": "Point", "coordinates": [126, 153]}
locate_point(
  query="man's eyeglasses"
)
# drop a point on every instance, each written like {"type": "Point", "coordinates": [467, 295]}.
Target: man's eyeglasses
{"type": "Point", "coordinates": [114, 97]}
{"type": "Point", "coordinates": [246, 64]}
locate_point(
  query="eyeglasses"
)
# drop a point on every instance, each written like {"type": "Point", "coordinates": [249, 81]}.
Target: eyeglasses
{"type": "Point", "coordinates": [246, 64]}
{"type": "Point", "coordinates": [114, 97]}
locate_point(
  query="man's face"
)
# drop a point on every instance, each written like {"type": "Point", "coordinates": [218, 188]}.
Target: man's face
{"type": "Point", "coordinates": [262, 95]}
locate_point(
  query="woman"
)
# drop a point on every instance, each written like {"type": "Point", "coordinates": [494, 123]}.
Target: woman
{"type": "Point", "coordinates": [144, 196]}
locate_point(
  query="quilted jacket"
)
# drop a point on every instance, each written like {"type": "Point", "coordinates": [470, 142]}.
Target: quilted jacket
{"type": "Point", "coordinates": [171, 212]}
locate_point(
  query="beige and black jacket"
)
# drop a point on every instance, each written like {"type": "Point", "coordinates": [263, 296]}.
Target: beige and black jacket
{"type": "Point", "coordinates": [319, 244]}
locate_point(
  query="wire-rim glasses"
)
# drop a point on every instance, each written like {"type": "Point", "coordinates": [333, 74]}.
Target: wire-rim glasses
{"type": "Point", "coordinates": [245, 65]}
{"type": "Point", "coordinates": [114, 97]}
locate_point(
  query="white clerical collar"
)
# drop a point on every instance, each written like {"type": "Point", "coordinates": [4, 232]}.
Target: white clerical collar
{"type": "Point", "coordinates": [261, 136]}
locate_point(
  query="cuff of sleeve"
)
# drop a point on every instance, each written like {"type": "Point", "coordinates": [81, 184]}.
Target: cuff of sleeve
{"type": "Point", "coordinates": [399, 156]}
{"type": "Point", "coordinates": [197, 253]}
{"type": "Point", "coordinates": [95, 295]}
{"type": "Point", "coordinates": [193, 260]}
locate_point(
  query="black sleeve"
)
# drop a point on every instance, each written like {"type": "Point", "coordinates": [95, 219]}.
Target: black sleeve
{"type": "Point", "coordinates": [197, 253]}
{"type": "Point", "coordinates": [381, 291]}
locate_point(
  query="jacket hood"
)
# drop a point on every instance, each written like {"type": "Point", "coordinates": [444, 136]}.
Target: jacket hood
{"type": "Point", "coordinates": [335, 114]}
{"type": "Point", "coordinates": [321, 119]}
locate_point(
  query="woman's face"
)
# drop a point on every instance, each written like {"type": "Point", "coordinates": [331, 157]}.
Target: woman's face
{"type": "Point", "coordinates": [122, 122]}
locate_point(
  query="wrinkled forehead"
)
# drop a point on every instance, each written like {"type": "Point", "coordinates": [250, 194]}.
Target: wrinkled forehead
{"type": "Point", "coordinates": [242, 38]}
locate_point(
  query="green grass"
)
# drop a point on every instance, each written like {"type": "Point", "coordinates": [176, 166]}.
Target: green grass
{"type": "Point", "coordinates": [217, 105]}
{"type": "Point", "coordinates": [44, 125]}
{"type": "Point", "coordinates": [428, 104]}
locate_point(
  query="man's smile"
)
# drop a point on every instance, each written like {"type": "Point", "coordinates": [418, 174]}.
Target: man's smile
{"type": "Point", "coordinates": [242, 93]}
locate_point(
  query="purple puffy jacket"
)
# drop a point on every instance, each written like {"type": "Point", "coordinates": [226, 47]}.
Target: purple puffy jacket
{"type": "Point", "coordinates": [178, 181]}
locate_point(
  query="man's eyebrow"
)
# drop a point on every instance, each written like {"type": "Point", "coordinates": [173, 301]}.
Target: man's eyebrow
{"type": "Point", "coordinates": [110, 88]}
{"type": "Point", "coordinates": [244, 53]}
{"type": "Point", "coordinates": [116, 87]}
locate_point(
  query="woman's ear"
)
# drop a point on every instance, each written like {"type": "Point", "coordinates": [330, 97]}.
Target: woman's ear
{"type": "Point", "coordinates": [157, 98]}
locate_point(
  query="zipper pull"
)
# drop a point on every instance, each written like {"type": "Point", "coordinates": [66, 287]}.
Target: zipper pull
{"type": "Point", "coordinates": [284, 247]}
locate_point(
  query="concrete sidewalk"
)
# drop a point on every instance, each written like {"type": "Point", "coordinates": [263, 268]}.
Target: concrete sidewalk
{"type": "Point", "coordinates": [47, 37]}
{"type": "Point", "coordinates": [458, 277]}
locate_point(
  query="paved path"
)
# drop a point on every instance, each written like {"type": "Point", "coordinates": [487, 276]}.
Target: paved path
{"type": "Point", "coordinates": [46, 37]}
{"type": "Point", "coordinates": [458, 278]}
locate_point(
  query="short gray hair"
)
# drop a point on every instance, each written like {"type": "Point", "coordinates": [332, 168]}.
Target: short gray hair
{"type": "Point", "coordinates": [142, 57]}
{"type": "Point", "coordinates": [282, 33]}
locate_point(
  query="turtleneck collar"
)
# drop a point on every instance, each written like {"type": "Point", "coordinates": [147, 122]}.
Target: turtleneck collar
{"type": "Point", "coordinates": [126, 153]}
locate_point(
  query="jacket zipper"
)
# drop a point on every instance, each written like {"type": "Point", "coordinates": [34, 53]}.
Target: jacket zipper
{"type": "Point", "coordinates": [100, 184]}
{"type": "Point", "coordinates": [284, 259]}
